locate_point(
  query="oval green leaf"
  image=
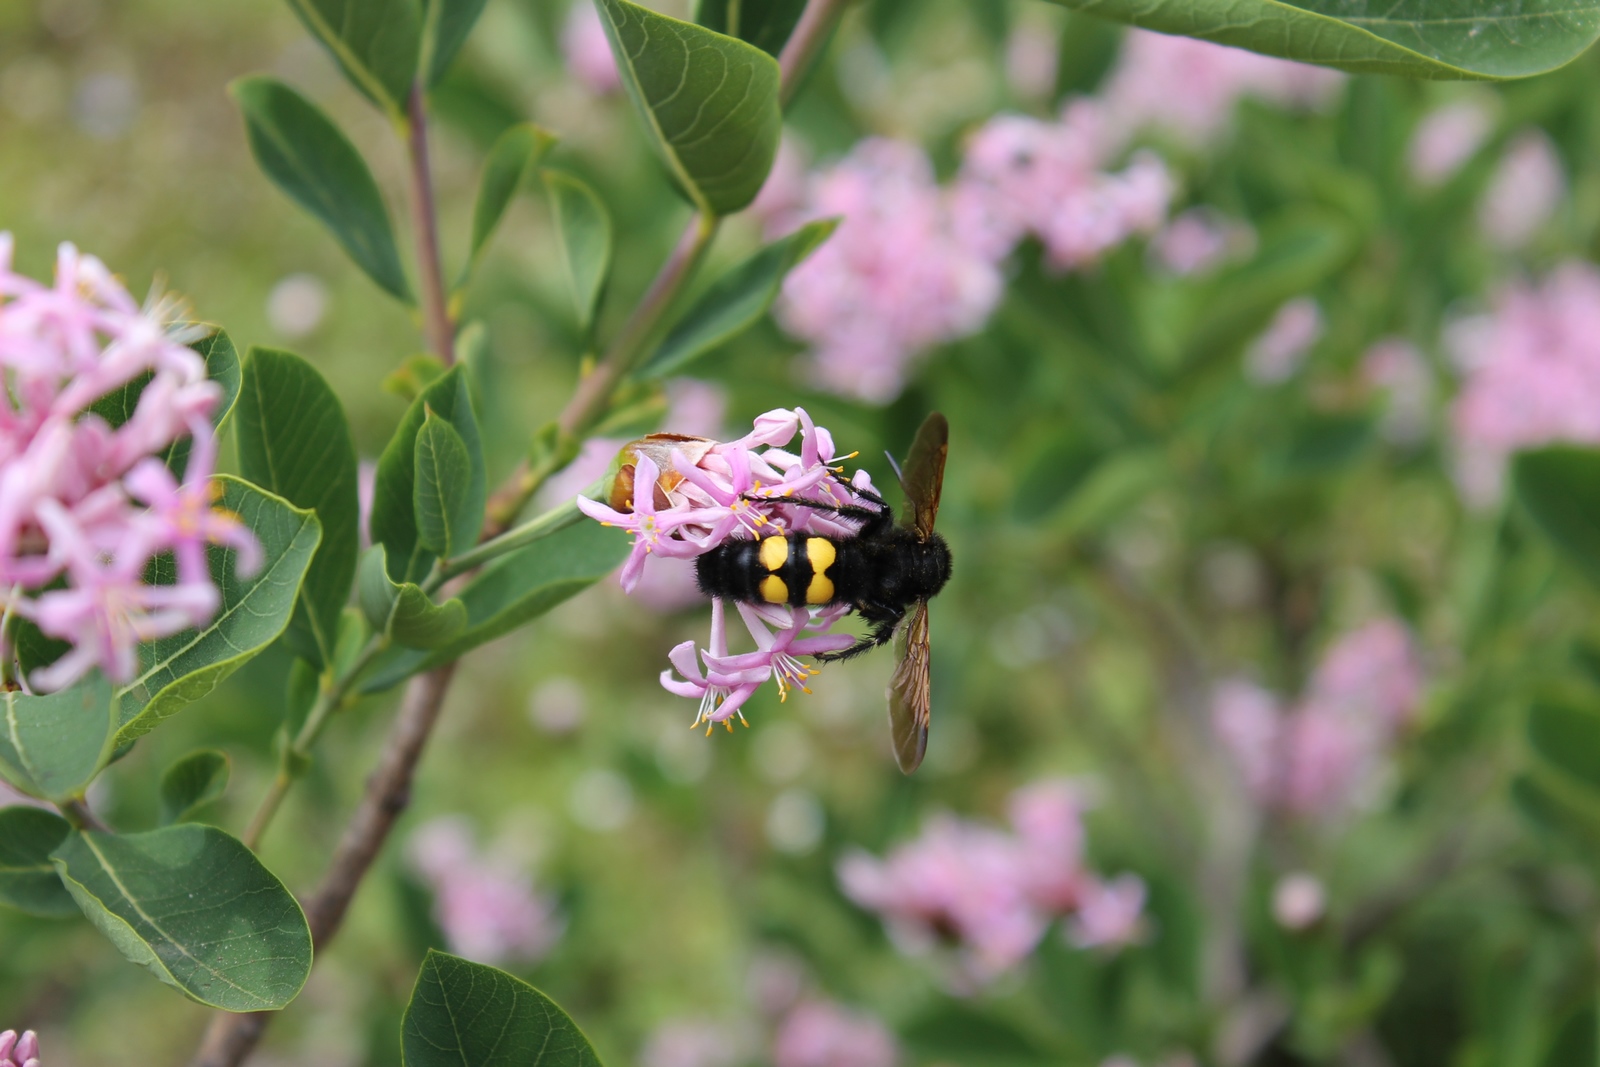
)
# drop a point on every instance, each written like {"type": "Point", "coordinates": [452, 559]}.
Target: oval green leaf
{"type": "Point", "coordinates": [52, 746]}
{"type": "Point", "coordinates": [766, 24]}
{"type": "Point", "coordinates": [197, 908]}
{"type": "Point", "coordinates": [736, 301]}
{"type": "Point", "coordinates": [708, 101]}
{"type": "Point", "coordinates": [510, 164]}
{"type": "Point", "coordinates": [28, 880]}
{"type": "Point", "coordinates": [470, 1013]}
{"type": "Point", "coordinates": [394, 523]}
{"type": "Point", "coordinates": [1567, 738]}
{"type": "Point", "coordinates": [445, 26]}
{"type": "Point", "coordinates": [404, 612]}
{"type": "Point", "coordinates": [1560, 490]}
{"type": "Point", "coordinates": [195, 780]}
{"type": "Point", "coordinates": [186, 666]}
{"type": "Point", "coordinates": [583, 233]}
{"type": "Point", "coordinates": [447, 522]}
{"type": "Point", "coordinates": [1414, 39]}
{"type": "Point", "coordinates": [375, 42]}
{"type": "Point", "coordinates": [294, 441]}
{"type": "Point", "coordinates": [310, 159]}
{"type": "Point", "coordinates": [515, 589]}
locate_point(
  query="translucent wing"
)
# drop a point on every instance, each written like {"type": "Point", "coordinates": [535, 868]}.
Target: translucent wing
{"type": "Point", "coordinates": [924, 475]}
{"type": "Point", "coordinates": [909, 690]}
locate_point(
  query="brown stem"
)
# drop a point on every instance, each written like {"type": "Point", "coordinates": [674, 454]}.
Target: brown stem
{"type": "Point", "coordinates": [425, 221]}
{"type": "Point", "coordinates": [231, 1038]}
{"type": "Point", "coordinates": [78, 814]}
{"type": "Point", "coordinates": [810, 34]}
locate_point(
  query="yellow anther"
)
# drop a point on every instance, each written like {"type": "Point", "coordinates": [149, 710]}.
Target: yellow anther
{"type": "Point", "coordinates": [729, 724]}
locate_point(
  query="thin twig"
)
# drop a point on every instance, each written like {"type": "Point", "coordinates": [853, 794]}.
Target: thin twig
{"type": "Point", "coordinates": [810, 34]}
{"type": "Point", "coordinates": [425, 221]}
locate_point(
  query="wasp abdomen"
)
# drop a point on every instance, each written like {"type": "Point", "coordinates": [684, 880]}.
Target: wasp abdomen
{"type": "Point", "coordinates": [794, 569]}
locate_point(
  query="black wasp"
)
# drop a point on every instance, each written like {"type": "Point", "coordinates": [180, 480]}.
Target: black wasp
{"type": "Point", "coordinates": [886, 572]}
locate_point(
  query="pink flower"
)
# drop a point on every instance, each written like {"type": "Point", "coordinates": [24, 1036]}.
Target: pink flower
{"type": "Point", "coordinates": [1033, 52]}
{"type": "Point", "coordinates": [696, 1043]}
{"type": "Point", "coordinates": [1110, 915]}
{"type": "Point", "coordinates": [588, 51]}
{"type": "Point", "coordinates": [1200, 240]}
{"type": "Point", "coordinates": [1374, 671]}
{"type": "Point", "coordinates": [1048, 817]}
{"type": "Point", "coordinates": [1276, 355]}
{"type": "Point", "coordinates": [1248, 721]}
{"type": "Point", "coordinates": [1530, 375]}
{"type": "Point", "coordinates": [820, 1033]}
{"type": "Point", "coordinates": [19, 1051]}
{"type": "Point", "coordinates": [1524, 192]}
{"type": "Point", "coordinates": [92, 504]}
{"type": "Point", "coordinates": [894, 279]}
{"type": "Point", "coordinates": [1022, 176]}
{"type": "Point", "coordinates": [1298, 901]}
{"type": "Point", "coordinates": [487, 909]}
{"type": "Point", "coordinates": [780, 205]}
{"type": "Point", "coordinates": [1188, 87]}
{"type": "Point", "coordinates": [1395, 366]}
{"type": "Point", "coordinates": [1447, 137]}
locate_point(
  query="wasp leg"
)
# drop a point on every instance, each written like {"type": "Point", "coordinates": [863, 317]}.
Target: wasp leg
{"type": "Point", "coordinates": [885, 620]}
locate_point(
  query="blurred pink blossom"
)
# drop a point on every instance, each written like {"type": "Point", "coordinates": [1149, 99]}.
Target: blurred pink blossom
{"type": "Point", "coordinates": [820, 1033]}
{"type": "Point", "coordinates": [893, 280]}
{"type": "Point", "coordinates": [92, 504]}
{"type": "Point", "coordinates": [782, 199]}
{"type": "Point", "coordinates": [1033, 52]}
{"type": "Point", "coordinates": [1110, 914]}
{"type": "Point", "coordinates": [1024, 176]}
{"type": "Point", "coordinates": [1298, 900]}
{"type": "Point", "coordinates": [1396, 367]}
{"type": "Point", "coordinates": [1188, 87]}
{"type": "Point", "coordinates": [1317, 758]}
{"type": "Point", "coordinates": [1276, 355]}
{"type": "Point", "coordinates": [988, 894]}
{"type": "Point", "coordinates": [1447, 137]}
{"type": "Point", "coordinates": [19, 1051]}
{"type": "Point", "coordinates": [1199, 240]}
{"type": "Point", "coordinates": [696, 1043]}
{"type": "Point", "coordinates": [1523, 194]}
{"type": "Point", "coordinates": [487, 908]}
{"type": "Point", "coordinates": [588, 51]}
{"type": "Point", "coordinates": [1530, 375]}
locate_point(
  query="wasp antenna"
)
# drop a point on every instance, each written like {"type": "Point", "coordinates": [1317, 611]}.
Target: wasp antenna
{"type": "Point", "coordinates": [896, 467]}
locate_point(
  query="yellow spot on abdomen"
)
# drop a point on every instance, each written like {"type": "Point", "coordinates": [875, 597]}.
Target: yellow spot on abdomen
{"type": "Point", "coordinates": [773, 590]}
{"type": "Point", "coordinates": [821, 553]}
{"type": "Point", "coordinates": [820, 591]}
{"type": "Point", "coordinates": [774, 554]}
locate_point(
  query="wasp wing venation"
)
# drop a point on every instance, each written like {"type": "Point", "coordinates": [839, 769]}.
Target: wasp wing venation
{"type": "Point", "coordinates": [909, 691]}
{"type": "Point", "coordinates": [924, 474]}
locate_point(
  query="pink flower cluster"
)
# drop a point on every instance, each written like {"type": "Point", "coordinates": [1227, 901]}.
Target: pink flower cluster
{"type": "Point", "coordinates": [991, 894]}
{"type": "Point", "coordinates": [1447, 137]}
{"type": "Point", "coordinates": [813, 1033]}
{"type": "Point", "coordinates": [1188, 88]}
{"type": "Point", "coordinates": [487, 908]}
{"type": "Point", "coordinates": [1530, 375]}
{"type": "Point", "coordinates": [587, 50]}
{"type": "Point", "coordinates": [683, 496]}
{"type": "Point", "coordinates": [19, 1051]}
{"type": "Point", "coordinates": [84, 505]}
{"type": "Point", "coordinates": [1277, 354]}
{"type": "Point", "coordinates": [1320, 756]}
{"type": "Point", "coordinates": [1524, 192]}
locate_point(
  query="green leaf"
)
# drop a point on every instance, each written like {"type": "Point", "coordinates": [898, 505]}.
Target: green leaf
{"type": "Point", "coordinates": [222, 367]}
{"type": "Point", "coordinates": [447, 522]}
{"type": "Point", "coordinates": [736, 301]}
{"type": "Point", "coordinates": [583, 233]}
{"type": "Point", "coordinates": [1567, 738]}
{"type": "Point", "coordinates": [394, 523]}
{"type": "Point", "coordinates": [404, 611]}
{"type": "Point", "coordinates": [470, 1013]}
{"type": "Point", "coordinates": [197, 908]}
{"type": "Point", "coordinates": [1414, 39]}
{"type": "Point", "coordinates": [446, 24]}
{"type": "Point", "coordinates": [294, 441]}
{"type": "Point", "coordinates": [1552, 809]}
{"type": "Point", "coordinates": [28, 880]}
{"type": "Point", "coordinates": [709, 103]}
{"type": "Point", "coordinates": [515, 589]}
{"type": "Point", "coordinates": [195, 780]}
{"type": "Point", "coordinates": [375, 42]}
{"type": "Point", "coordinates": [305, 154]}
{"type": "Point", "coordinates": [186, 666]}
{"type": "Point", "coordinates": [52, 746]}
{"type": "Point", "coordinates": [510, 164]}
{"type": "Point", "coordinates": [414, 374]}
{"type": "Point", "coordinates": [1560, 488]}
{"type": "Point", "coordinates": [766, 24]}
